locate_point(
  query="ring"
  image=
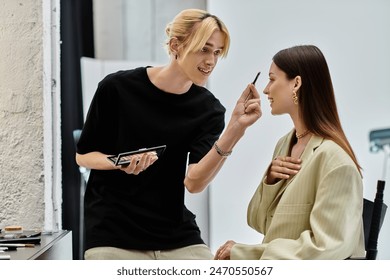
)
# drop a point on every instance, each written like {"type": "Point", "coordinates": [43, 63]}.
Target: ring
{"type": "Point", "coordinates": [281, 164]}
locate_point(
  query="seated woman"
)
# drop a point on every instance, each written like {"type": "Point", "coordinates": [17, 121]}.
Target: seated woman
{"type": "Point", "coordinates": [309, 202]}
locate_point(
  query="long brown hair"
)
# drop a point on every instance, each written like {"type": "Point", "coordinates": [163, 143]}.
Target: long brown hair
{"type": "Point", "coordinates": [316, 95]}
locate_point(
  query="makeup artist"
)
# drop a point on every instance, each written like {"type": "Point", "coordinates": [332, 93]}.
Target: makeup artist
{"type": "Point", "coordinates": [138, 211]}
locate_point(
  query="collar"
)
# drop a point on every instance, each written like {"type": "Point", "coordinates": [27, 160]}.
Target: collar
{"type": "Point", "coordinates": [314, 142]}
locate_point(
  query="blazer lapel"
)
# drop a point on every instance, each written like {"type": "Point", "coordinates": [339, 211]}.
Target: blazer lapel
{"type": "Point", "coordinates": [312, 145]}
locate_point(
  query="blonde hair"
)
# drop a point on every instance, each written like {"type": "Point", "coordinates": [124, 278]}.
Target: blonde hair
{"type": "Point", "coordinates": [192, 28]}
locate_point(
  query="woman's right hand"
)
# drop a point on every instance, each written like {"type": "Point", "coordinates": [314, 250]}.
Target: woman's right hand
{"type": "Point", "coordinates": [283, 168]}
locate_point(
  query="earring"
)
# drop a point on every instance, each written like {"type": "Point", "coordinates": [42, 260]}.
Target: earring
{"type": "Point", "coordinates": [176, 56]}
{"type": "Point", "coordinates": [295, 98]}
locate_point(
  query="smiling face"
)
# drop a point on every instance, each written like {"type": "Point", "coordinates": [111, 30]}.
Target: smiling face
{"type": "Point", "coordinates": [279, 91]}
{"type": "Point", "coordinates": [198, 65]}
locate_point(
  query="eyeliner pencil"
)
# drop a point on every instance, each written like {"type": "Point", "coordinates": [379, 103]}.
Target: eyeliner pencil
{"type": "Point", "coordinates": [253, 83]}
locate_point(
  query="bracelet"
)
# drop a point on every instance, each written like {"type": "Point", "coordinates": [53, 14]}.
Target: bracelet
{"type": "Point", "coordinates": [220, 152]}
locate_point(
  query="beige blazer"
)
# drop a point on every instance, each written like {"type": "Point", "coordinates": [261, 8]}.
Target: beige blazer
{"type": "Point", "coordinates": [317, 214]}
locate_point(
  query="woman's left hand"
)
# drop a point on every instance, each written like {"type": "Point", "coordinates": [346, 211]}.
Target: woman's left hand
{"type": "Point", "coordinates": [223, 253]}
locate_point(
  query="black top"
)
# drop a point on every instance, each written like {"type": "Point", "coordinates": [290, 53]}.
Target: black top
{"type": "Point", "coordinates": [145, 211]}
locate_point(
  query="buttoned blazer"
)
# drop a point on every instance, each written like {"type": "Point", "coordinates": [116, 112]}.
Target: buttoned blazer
{"type": "Point", "coordinates": [317, 214]}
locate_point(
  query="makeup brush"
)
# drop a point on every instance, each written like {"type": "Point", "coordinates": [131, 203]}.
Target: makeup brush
{"type": "Point", "coordinates": [28, 245]}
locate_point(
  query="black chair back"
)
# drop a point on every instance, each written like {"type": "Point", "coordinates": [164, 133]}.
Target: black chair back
{"type": "Point", "coordinates": [373, 216]}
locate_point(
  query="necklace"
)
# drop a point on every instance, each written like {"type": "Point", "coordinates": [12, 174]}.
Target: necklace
{"type": "Point", "coordinates": [299, 136]}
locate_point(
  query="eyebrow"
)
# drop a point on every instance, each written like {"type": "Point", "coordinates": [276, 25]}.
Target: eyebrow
{"type": "Point", "coordinates": [212, 45]}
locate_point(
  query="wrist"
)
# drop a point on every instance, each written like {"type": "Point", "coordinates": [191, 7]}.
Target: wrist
{"type": "Point", "coordinates": [221, 152]}
{"type": "Point", "coordinates": [235, 130]}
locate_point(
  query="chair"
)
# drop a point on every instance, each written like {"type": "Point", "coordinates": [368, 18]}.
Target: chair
{"type": "Point", "coordinates": [373, 216]}
{"type": "Point", "coordinates": [84, 172]}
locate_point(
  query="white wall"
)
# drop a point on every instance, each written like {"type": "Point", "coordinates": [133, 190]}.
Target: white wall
{"type": "Point", "coordinates": [354, 36]}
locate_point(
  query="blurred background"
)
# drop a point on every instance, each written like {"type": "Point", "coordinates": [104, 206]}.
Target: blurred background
{"type": "Point", "coordinates": [97, 37]}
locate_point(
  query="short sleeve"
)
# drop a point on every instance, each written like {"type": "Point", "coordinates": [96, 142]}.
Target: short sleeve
{"type": "Point", "coordinates": [100, 127]}
{"type": "Point", "coordinates": [209, 133]}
